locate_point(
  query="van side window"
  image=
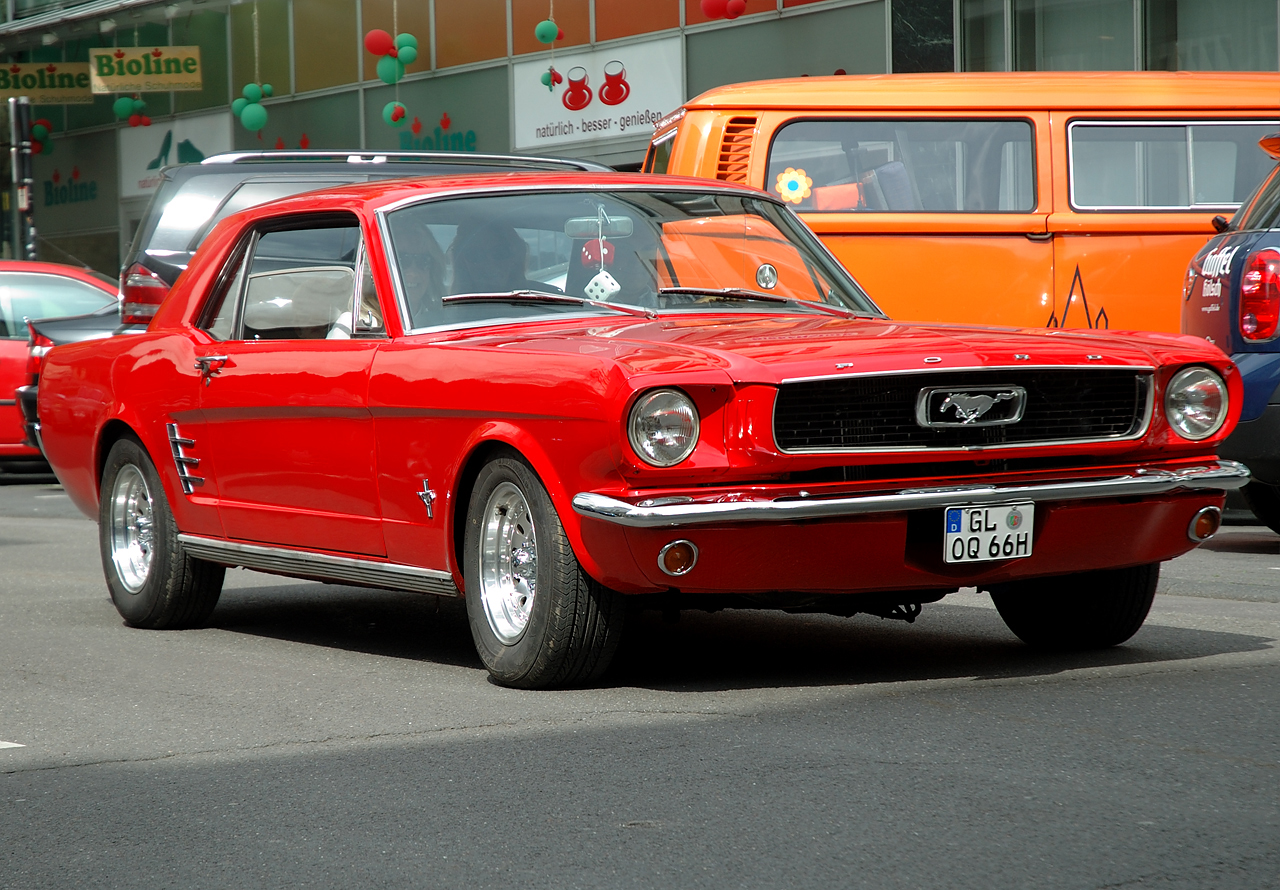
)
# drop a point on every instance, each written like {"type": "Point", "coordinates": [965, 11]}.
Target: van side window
{"type": "Point", "coordinates": [659, 156]}
{"type": "Point", "coordinates": [896, 166]}
{"type": "Point", "coordinates": [1165, 165]}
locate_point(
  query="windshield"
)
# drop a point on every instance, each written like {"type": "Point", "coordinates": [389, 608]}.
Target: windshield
{"type": "Point", "coordinates": [658, 251]}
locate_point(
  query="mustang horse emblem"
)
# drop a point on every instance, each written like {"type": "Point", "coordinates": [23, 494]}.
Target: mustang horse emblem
{"type": "Point", "coordinates": [970, 408]}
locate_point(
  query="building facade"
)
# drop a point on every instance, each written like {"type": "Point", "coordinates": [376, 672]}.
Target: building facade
{"type": "Point", "coordinates": [477, 82]}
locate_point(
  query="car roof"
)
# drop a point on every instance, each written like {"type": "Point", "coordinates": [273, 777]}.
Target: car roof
{"type": "Point", "coordinates": [253, 163]}
{"type": "Point", "coordinates": [384, 193]}
{"type": "Point", "coordinates": [1226, 93]}
{"type": "Point", "coordinates": [34, 267]}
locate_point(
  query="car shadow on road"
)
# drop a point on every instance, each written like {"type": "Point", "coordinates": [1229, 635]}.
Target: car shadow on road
{"type": "Point", "coordinates": [385, 623]}
{"type": "Point", "coordinates": [1254, 540]}
{"type": "Point", "coordinates": [710, 652]}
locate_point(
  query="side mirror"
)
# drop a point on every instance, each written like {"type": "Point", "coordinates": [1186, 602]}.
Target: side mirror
{"type": "Point", "coordinates": [1220, 223]}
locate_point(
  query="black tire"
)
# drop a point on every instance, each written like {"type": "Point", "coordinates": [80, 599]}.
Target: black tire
{"type": "Point", "coordinates": [153, 582]}
{"type": "Point", "coordinates": [1264, 501]}
{"type": "Point", "coordinates": [565, 628]}
{"type": "Point", "coordinates": [1091, 610]}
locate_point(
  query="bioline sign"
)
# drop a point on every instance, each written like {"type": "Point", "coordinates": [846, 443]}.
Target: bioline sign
{"type": "Point", "coordinates": [606, 94]}
{"type": "Point", "coordinates": [138, 69]}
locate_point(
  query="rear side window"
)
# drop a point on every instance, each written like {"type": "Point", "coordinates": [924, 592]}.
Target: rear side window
{"type": "Point", "coordinates": [897, 166]}
{"type": "Point", "coordinates": [296, 283]}
{"type": "Point", "coordinates": [1166, 165]}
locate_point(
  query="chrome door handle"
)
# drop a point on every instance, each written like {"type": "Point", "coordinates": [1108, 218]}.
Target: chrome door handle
{"type": "Point", "coordinates": [208, 365]}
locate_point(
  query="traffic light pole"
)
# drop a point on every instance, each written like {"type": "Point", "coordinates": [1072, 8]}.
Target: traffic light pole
{"type": "Point", "coordinates": [24, 229]}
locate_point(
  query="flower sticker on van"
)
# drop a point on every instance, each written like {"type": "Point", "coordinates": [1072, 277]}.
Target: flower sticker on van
{"type": "Point", "coordinates": [793, 185]}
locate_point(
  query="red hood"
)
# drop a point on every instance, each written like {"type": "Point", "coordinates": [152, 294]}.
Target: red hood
{"type": "Point", "coordinates": [771, 349]}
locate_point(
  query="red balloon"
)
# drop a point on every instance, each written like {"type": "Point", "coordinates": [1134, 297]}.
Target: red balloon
{"type": "Point", "coordinates": [146, 121]}
{"type": "Point", "coordinates": [735, 8]}
{"type": "Point", "coordinates": [379, 42]}
{"type": "Point", "coordinates": [36, 146]}
{"type": "Point", "coordinates": [135, 120]}
{"type": "Point", "coordinates": [714, 9]}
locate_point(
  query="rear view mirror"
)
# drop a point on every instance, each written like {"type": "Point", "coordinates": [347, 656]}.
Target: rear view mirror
{"type": "Point", "coordinates": [593, 227]}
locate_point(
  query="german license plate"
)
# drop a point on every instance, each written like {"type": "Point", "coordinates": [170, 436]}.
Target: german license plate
{"type": "Point", "coordinates": [982, 534]}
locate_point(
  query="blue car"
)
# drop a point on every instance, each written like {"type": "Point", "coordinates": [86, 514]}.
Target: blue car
{"type": "Point", "coordinates": [1232, 298]}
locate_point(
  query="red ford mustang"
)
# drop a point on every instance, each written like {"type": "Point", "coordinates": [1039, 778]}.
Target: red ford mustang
{"type": "Point", "coordinates": [561, 396]}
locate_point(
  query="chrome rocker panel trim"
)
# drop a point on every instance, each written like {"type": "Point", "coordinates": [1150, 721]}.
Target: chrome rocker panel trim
{"type": "Point", "coordinates": [1220, 476]}
{"type": "Point", "coordinates": [305, 564]}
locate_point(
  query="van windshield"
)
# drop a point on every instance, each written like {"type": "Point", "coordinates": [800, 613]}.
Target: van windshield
{"type": "Point", "coordinates": [896, 166]}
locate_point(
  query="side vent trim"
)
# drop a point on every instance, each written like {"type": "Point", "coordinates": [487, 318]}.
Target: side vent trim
{"type": "Point", "coordinates": [184, 464]}
{"type": "Point", "coordinates": [735, 149]}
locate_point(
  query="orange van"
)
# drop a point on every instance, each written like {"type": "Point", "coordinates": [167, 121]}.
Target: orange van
{"type": "Point", "coordinates": [1067, 200]}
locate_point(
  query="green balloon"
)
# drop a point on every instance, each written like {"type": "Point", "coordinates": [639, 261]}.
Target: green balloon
{"type": "Point", "coordinates": [390, 70]}
{"type": "Point", "coordinates": [253, 93]}
{"type": "Point", "coordinates": [40, 131]}
{"type": "Point", "coordinates": [546, 80]}
{"type": "Point", "coordinates": [237, 107]}
{"type": "Point", "coordinates": [254, 116]}
{"type": "Point", "coordinates": [404, 40]}
{"type": "Point", "coordinates": [122, 107]}
{"type": "Point", "coordinates": [407, 55]}
{"type": "Point", "coordinates": [139, 106]}
{"type": "Point", "coordinates": [387, 111]}
{"type": "Point", "coordinates": [547, 31]}
{"type": "Point", "coordinates": [267, 90]}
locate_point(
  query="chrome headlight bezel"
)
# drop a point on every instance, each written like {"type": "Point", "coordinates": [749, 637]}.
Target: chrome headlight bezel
{"type": "Point", "coordinates": [1177, 402]}
{"type": "Point", "coordinates": [647, 417]}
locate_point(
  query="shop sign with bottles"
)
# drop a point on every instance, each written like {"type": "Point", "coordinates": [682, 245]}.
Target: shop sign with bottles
{"type": "Point", "coordinates": [602, 94]}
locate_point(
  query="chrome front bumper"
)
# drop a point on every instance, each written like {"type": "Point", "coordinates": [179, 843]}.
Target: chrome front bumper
{"type": "Point", "coordinates": [1222, 475]}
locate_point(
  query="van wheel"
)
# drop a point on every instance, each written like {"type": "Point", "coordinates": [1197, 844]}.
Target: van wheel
{"type": "Point", "coordinates": [152, 581]}
{"type": "Point", "coordinates": [1264, 501]}
{"type": "Point", "coordinates": [1089, 610]}
{"type": "Point", "coordinates": [536, 617]}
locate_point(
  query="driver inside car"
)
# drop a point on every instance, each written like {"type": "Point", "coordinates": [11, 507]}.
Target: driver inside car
{"type": "Point", "coordinates": [489, 257]}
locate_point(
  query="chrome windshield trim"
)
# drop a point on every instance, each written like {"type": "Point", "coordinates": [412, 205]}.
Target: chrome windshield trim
{"type": "Point", "coordinates": [1219, 476]}
{"type": "Point", "coordinates": [1148, 412]}
{"type": "Point", "coordinates": [307, 564]}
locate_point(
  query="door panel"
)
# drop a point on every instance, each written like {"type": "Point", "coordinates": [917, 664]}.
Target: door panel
{"type": "Point", "coordinates": [1121, 281]}
{"type": "Point", "coordinates": [288, 425]}
{"type": "Point", "coordinates": [1001, 279]}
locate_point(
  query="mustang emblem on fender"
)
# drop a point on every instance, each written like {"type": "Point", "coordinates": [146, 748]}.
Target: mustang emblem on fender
{"type": "Point", "coordinates": [970, 408]}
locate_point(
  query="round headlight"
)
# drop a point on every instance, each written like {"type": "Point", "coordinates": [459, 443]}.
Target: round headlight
{"type": "Point", "coordinates": [663, 427]}
{"type": "Point", "coordinates": [1196, 403]}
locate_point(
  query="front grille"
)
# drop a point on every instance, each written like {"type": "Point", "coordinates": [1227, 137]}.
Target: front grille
{"type": "Point", "coordinates": [871, 413]}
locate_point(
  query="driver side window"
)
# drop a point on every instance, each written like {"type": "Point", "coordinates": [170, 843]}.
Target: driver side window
{"type": "Point", "coordinates": [297, 283]}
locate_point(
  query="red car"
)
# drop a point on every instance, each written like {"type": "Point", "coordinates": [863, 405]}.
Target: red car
{"type": "Point", "coordinates": [33, 291]}
{"type": "Point", "coordinates": [564, 395]}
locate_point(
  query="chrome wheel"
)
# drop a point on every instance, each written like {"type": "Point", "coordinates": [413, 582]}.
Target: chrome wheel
{"type": "Point", "coordinates": [508, 563]}
{"type": "Point", "coordinates": [132, 528]}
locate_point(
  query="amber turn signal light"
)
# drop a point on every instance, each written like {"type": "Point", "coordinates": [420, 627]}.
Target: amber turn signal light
{"type": "Point", "coordinates": [1205, 524]}
{"type": "Point", "coordinates": [678, 558]}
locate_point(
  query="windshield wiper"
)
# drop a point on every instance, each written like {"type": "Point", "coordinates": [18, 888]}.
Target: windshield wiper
{"type": "Point", "coordinates": [537, 296]}
{"type": "Point", "coordinates": [735, 294]}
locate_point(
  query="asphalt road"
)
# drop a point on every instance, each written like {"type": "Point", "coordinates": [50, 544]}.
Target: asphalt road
{"type": "Point", "coordinates": [327, 736]}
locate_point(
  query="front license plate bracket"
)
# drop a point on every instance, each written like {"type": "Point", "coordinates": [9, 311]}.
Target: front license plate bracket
{"type": "Point", "coordinates": [988, 533]}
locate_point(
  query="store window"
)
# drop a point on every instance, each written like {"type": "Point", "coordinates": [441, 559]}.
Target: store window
{"type": "Point", "coordinates": [1167, 166]}
{"type": "Point", "coordinates": [1211, 35]}
{"type": "Point", "coordinates": [626, 18]}
{"type": "Point", "coordinates": [328, 31]}
{"type": "Point", "coordinates": [952, 166]}
{"type": "Point", "coordinates": [1118, 35]}
{"type": "Point", "coordinates": [474, 31]}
